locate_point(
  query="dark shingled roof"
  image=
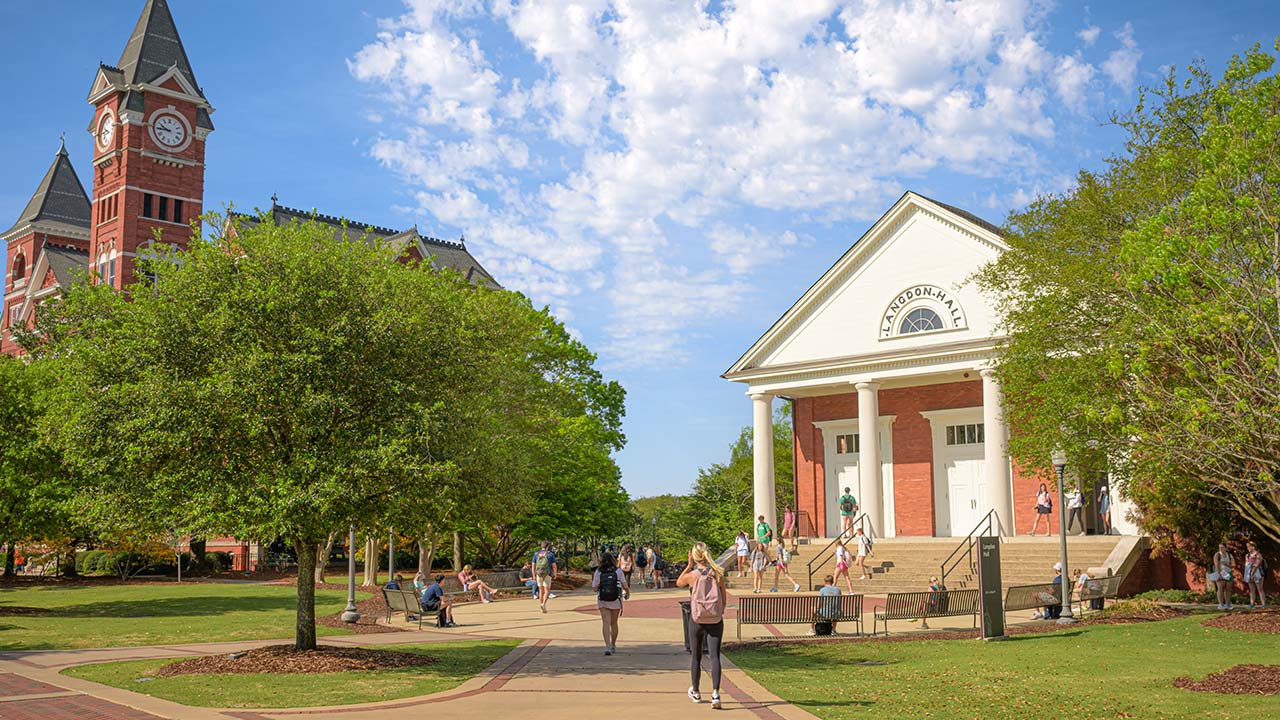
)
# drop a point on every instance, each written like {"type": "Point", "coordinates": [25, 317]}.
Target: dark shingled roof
{"type": "Point", "coordinates": [65, 261]}
{"type": "Point", "coordinates": [60, 198]}
{"type": "Point", "coordinates": [448, 254]}
{"type": "Point", "coordinates": [968, 216]}
{"type": "Point", "coordinates": [153, 48]}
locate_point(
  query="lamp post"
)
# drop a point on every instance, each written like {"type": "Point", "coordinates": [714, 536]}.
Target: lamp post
{"type": "Point", "coordinates": [391, 555]}
{"type": "Point", "coordinates": [1060, 465]}
{"type": "Point", "coordinates": [351, 615]}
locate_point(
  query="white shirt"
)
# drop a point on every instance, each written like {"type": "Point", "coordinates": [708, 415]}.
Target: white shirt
{"type": "Point", "coordinates": [1077, 500]}
{"type": "Point", "coordinates": [864, 547]}
{"type": "Point", "coordinates": [842, 554]}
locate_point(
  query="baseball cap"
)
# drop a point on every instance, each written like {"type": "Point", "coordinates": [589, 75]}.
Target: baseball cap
{"type": "Point", "coordinates": [1057, 566]}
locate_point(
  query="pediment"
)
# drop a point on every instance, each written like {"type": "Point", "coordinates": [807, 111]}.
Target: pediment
{"type": "Point", "coordinates": [174, 82]}
{"type": "Point", "coordinates": [904, 285]}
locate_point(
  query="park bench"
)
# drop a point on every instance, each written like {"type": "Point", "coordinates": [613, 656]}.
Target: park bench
{"type": "Point", "coordinates": [404, 601]}
{"type": "Point", "coordinates": [1098, 589]}
{"type": "Point", "coordinates": [1031, 597]}
{"type": "Point", "coordinates": [799, 610]}
{"type": "Point", "coordinates": [924, 605]}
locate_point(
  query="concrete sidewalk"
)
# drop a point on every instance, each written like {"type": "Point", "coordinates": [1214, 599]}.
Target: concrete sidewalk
{"type": "Point", "coordinates": [560, 671]}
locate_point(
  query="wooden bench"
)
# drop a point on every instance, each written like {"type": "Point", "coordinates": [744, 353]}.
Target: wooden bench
{"type": "Point", "coordinates": [924, 605]}
{"type": "Point", "coordinates": [1098, 589]}
{"type": "Point", "coordinates": [799, 610]}
{"type": "Point", "coordinates": [1031, 597]}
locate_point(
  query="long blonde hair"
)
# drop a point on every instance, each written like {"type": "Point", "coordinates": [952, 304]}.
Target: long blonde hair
{"type": "Point", "coordinates": [702, 556]}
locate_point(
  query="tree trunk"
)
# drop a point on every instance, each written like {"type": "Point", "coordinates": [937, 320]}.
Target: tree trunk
{"type": "Point", "coordinates": [370, 561]}
{"type": "Point", "coordinates": [305, 633]}
{"type": "Point", "coordinates": [197, 548]}
{"type": "Point", "coordinates": [457, 551]}
{"type": "Point", "coordinates": [322, 557]}
{"type": "Point", "coordinates": [426, 553]}
{"type": "Point", "coordinates": [9, 560]}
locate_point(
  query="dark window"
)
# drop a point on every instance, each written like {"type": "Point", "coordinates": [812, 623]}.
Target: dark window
{"type": "Point", "coordinates": [177, 211]}
{"type": "Point", "coordinates": [146, 205]}
{"type": "Point", "coordinates": [19, 266]}
{"type": "Point", "coordinates": [920, 320]}
{"type": "Point", "coordinates": [164, 208]}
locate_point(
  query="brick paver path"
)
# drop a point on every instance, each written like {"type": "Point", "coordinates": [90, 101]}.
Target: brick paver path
{"type": "Point", "coordinates": [75, 707]}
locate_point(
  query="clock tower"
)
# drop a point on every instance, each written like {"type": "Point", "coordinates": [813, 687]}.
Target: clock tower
{"type": "Point", "coordinates": [149, 126]}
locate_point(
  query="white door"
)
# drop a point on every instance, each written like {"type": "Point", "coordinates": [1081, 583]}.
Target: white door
{"type": "Point", "coordinates": [967, 493]}
{"type": "Point", "coordinates": [842, 473]}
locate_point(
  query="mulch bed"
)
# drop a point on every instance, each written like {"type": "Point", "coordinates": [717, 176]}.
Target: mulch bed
{"type": "Point", "coordinates": [13, 610]}
{"type": "Point", "coordinates": [1237, 680]}
{"type": "Point", "coordinates": [1259, 621]}
{"type": "Point", "coordinates": [276, 659]}
{"type": "Point", "coordinates": [370, 610]}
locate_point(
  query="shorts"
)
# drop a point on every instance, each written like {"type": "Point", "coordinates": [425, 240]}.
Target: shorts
{"type": "Point", "coordinates": [861, 555]}
{"type": "Point", "coordinates": [841, 566]}
{"type": "Point", "coordinates": [543, 581]}
{"type": "Point", "coordinates": [781, 566]}
{"type": "Point", "coordinates": [1043, 510]}
{"type": "Point", "coordinates": [433, 606]}
{"type": "Point", "coordinates": [743, 553]}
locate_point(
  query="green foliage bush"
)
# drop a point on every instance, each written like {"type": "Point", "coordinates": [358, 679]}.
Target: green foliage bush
{"type": "Point", "coordinates": [91, 562]}
{"type": "Point", "coordinates": [579, 562]}
{"type": "Point", "coordinates": [217, 561]}
{"type": "Point", "coordinates": [1169, 595]}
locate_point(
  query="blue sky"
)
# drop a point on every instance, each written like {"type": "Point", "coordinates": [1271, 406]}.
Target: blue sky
{"type": "Point", "coordinates": [668, 176]}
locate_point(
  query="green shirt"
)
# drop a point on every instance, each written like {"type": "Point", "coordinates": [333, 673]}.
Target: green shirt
{"type": "Point", "coordinates": [763, 531]}
{"type": "Point", "coordinates": [853, 502]}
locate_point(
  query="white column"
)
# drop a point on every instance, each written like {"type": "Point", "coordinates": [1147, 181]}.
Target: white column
{"type": "Point", "coordinates": [872, 500]}
{"type": "Point", "coordinates": [995, 451]}
{"type": "Point", "coordinates": [762, 444]}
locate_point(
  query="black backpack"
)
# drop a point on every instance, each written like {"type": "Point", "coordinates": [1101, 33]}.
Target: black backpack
{"type": "Point", "coordinates": [609, 589]}
{"type": "Point", "coordinates": [642, 559]}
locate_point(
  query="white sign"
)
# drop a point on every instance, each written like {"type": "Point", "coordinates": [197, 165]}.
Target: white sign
{"type": "Point", "coordinates": [930, 296]}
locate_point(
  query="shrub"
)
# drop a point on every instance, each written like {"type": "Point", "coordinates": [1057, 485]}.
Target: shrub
{"type": "Point", "coordinates": [1169, 595]}
{"type": "Point", "coordinates": [91, 564]}
{"type": "Point", "coordinates": [579, 562]}
{"type": "Point", "coordinates": [217, 561]}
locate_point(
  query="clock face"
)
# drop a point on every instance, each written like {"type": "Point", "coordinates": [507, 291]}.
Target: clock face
{"type": "Point", "coordinates": [169, 131]}
{"type": "Point", "coordinates": [106, 131]}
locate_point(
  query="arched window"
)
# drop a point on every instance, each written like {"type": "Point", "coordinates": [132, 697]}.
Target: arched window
{"type": "Point", "coordinates": [920, 320]}
{"type": "Point", "coordinates": [19, 267]}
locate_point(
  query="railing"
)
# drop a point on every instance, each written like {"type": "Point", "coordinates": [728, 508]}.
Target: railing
{"type": "Point", "coordinates": [822, 556]}
{"type": "Point", "coordinates": [988, 525]}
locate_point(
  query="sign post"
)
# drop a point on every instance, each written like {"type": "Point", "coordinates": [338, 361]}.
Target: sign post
{"type": "Point", "coordinates": [989, 588]}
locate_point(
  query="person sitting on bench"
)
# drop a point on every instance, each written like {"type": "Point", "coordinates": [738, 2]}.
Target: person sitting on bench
{"type": "Point", "coordinates": [828, 606]}
{"type": "Point", "coordinates": [526, 577]}
{"type": "Point", "coordinates": [434, 601]}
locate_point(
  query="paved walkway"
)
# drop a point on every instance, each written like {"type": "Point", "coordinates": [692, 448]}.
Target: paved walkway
{"type": "Point", "coordinates": [558, 672]}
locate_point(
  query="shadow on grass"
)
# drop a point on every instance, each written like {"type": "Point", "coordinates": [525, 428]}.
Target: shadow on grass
{"type": "Point", "coordinates": [173, 607]}
{"type": "Point", "coordinates": [1049, 635]}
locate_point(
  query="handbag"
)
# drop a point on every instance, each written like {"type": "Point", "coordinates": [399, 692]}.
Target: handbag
{"type": "Point", "coordinates": [1212, 577]}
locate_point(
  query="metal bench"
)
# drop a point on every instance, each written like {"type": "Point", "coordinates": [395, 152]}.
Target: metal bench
{"type": "Point", "coordinates": [404, 601]}
{"type": "Point", "coordinates": [1097, 590]}
{"type": "Point", "coordinates": [924, 605]}
{"type": "Point", "coordinates": [1030, 597]}
{"type": "Point", "coordinates": [799, 610]}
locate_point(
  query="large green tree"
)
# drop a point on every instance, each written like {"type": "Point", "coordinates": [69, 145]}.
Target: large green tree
{"type": "Point", "coordinates": [1143, 308]}
{"type": "Point", "coordinates": [278, 381]}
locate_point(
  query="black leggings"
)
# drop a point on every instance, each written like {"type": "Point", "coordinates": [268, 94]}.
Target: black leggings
{"type": "Point", "coordinates": [712, 636]}
{"type": "Point", "coordinates": [1075, 514]}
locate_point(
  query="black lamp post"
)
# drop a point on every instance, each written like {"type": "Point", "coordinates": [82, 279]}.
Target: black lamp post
{"type": "Point", "coordinates": [1060, 465]}
{"type": "Point", "coordinates": [351, 615]}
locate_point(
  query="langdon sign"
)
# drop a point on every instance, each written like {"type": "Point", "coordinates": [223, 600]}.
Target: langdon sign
{"type": "Point", "coordinates": [930, 296]}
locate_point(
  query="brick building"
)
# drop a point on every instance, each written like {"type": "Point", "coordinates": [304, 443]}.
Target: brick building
{"type": "Point", "coordinates": [895, 342]}
{"type": "Point", "coordinates": [150, 123]}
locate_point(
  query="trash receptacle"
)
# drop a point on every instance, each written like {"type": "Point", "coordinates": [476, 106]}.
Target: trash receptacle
{"type": "Point", "coordinates": [686, 613]}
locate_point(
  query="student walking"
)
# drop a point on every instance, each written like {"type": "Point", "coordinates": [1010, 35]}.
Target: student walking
{"type": "Point", "coordinates": [611, 588]}
{"type": "Point", "coordinates": [789, 527]}
{"type": "Point", "coordinates": [1222, 575]}
{"type": "Point", "coordinates": [544, 571]}
{"type": "Point", "coordinates": [706, 617]}
{"type": "Point", "coordinates": [764, 533]}
{"type": "Point", "coordinates": [843, 561]}
{"type": "Point", "coordinates": [864, 549]}
{"type": "Point", "coordinates": [759, 561]}
{"type": "Point", "coordinates": [848, 509]}
{"type": "Point", "coordinates": [1044, 507]}
{"type": "Point", "coordinates": [742, 547]}
{"type": "Point", "coordinates": [1255, 575]}
{"type": "Point", "coordinates": [642, 563]}
{"type": "Point", "coordinates": [781, 563]}
{"type": "Point", "coordinates": [627, 561]}
{"type": "Point", "coordinates": [1075, 509]}
{"type": "Point", "coordinates": [1104, 509]}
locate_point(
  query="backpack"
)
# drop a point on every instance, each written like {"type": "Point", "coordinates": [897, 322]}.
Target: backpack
{"type": "Point", "coordinates": [542, 563]}
{"type": "Point", "coordinates": [847, 504]}
{"type": "Point", "coordinates": [706, 603]}
{"type": "Point", "coordinates": [642, 559]}
{"type": "Point", "coordinates": [609, 589]}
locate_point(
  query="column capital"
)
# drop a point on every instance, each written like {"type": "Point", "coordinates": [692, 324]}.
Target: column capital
{"type": "Point", "coordinates": [987, 372]}
{"type": "Point", "coordinates": [761, 397]}
{"type": "Point", "coordinates": [871, 385]}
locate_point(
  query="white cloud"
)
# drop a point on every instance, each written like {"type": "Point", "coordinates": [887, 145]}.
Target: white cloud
{"type": "Point", "coordinates": [1089, 35]}
{"type": "Point", "coordinates": [1122, 65]}
{"type": "Point", "coordinates": [581, 143]}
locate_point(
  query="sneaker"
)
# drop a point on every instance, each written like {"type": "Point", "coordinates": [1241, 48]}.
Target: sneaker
{"type": "Point", "coordinates": [812, 633]}
{"type": "Point", "coordinates": [608, 650]}
{"type": "Point", "coordinates": [715, 700]}
{"type": "Point", "coordinates": [694, 695]}
{"type": "Point", "coordinates": [551, 596]}
{"type": "Point", "coordinates": [544, 609]}
{"type": "Point", "coordinates": [1230, 606]}
{"type": "Point", "coordinates": [796, 588]}
{"type": "Point", "coordinates": [774, 590]}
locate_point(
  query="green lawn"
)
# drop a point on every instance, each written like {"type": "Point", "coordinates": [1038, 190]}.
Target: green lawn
{"type": "Point", "coordinates": [1110, 671]}
{"type": "Point", "coordinates": [91, 616]}
{"type": "Point", "coordinates": [458, 662]}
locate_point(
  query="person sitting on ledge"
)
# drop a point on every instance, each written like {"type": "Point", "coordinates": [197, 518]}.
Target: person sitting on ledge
{"type": "Point", "coordinates": [433, 601]}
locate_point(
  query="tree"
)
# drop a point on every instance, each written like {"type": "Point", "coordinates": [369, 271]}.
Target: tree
{"type": "Point", "coordinates": [1143, 307]}
{"type": "Point", "coordinates": [34, 484]}
{"type": "Point", "coordinates": [279, 381]}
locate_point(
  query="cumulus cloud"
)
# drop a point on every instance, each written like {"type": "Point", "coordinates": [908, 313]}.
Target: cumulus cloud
{"type": "Point", "coordinates": [1122, 64]}
{"type": "Point", "coordinates": [609, 152]}
{"type": "Point", "coordinates": [1089, 35]}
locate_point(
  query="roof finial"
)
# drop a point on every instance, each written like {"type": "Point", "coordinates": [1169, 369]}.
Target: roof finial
{"type": "Point", "coordinates": [462, 239]}
{"type": "Point", "coordinates": [275, 199]}
{"type": "Point", "coordinates": [62, 148]}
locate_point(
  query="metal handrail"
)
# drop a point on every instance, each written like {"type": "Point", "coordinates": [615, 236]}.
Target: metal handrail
{"type": "Point", "coordinates": [862, 521]}
{"type": "Point", "coordinates": [964, 550]}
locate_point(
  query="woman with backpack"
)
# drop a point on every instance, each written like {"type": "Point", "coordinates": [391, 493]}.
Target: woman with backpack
{"type": "Point", "coordinates": [1222, 576]}
{"type": "Point", "coordinates": [611, 588]}
{"type": "Point", "coordinates": [843, 560]}
{"type": "Point", "coordinates": [706, 617]}
{"type": "Point", "coordinates": [627, 561]}
{"type": "Point", "coordinates": [1255, 574]}
{"type": "Point", "coordinates": [1044, 509]}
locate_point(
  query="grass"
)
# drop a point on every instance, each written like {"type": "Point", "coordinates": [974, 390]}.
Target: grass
{"type": "Point", "coordinates": [458, 661]}
{"type": "Point", "coordinates": [94, 616]}
{"type": "Point", "coordinates": [1114, 671]}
